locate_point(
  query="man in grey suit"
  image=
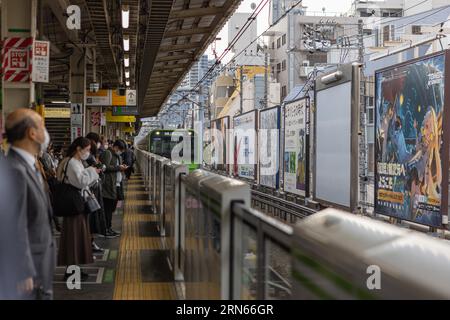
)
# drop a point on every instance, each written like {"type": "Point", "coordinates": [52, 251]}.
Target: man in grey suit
{"type": "Point", "coordinates": [26, 132]}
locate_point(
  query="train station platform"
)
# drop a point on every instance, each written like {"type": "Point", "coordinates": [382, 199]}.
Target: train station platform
{"type": "Point", "coordinates": [134, 265]}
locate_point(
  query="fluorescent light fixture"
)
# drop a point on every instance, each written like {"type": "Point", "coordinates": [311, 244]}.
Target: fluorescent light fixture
{"type": "Point", "coordinates": [125, 16]}
{"type": "Point", "coordinates": [127, 73]}
{"type": "Point", "coordinates": [126, 60]}
{"type": "Point", "coordinates": [127, 83]}
{"type": "Point", "coordinates": [126, 43]}
{"type": "Point", "coordinates": [60, 102]}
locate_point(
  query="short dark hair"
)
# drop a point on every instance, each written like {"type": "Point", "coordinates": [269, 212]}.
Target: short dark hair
{"type": "Point", "coordinates": [19, 130]}
{"type": "Point", "coordinates": [93, 136]}
{"type": "Point", "coordinates": [120, 144]}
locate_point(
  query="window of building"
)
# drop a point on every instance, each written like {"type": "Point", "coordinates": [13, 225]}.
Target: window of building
{"type": "Point", "coordinates": [386, 33]}
{"type": "Point", "coordinates": [370, 115]}
{"type": "Point", "coordinates": [283, 92]}
{"type": "Point", "coordinates": [283, 39]}
{"type": "Point", "coordinates": [278, 67]}
{"type": "Point", "coordinates": [416, 30]}
{"type": "Point", "coordinates": [273, 45]}
{"type": "Point", "coordinates": [278, 43]}
{"type": "Point", "coordinates": [367, 32]}
{"type": "Point", "coordinates": [283, 65]}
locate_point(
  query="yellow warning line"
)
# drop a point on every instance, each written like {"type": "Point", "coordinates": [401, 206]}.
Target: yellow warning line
{"type": "Point", "coordinates": [128, 282]}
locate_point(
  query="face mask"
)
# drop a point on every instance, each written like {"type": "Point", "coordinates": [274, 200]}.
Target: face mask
{"type": "Point", "coordinates": [119, 153]}
{"type": "Point", "coordinates": [85, 156]}
{"type": "Point", "coordinates": [44, 145]}
{"type": "Point", "coordinates": [99, 145]}
{"type": "Point", "coordinates": [106, 146]}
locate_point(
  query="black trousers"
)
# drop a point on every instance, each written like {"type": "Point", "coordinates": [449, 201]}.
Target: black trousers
{"type": "Point", "coordinates": [109, 207]}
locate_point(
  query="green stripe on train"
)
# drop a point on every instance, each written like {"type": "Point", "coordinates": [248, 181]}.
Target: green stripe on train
{"type": "Point", "coordinates": [330, 275]}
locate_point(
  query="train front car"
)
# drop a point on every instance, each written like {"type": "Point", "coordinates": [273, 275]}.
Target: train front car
{"type": "Point", "coordinates": [173, 144]}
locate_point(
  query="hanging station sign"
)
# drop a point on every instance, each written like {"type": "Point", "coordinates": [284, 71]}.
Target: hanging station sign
{"type": "Point", "coordinates": [98, 98]}
{"type": "Point", "coordinates": [129, 99]}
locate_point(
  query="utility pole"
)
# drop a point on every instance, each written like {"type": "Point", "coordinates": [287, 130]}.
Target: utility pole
{"type": "Point", "coordinates": [363, 146]}
{"type": "Point", "coordinates": [241, 85]}
{"type": "Point", "coordinates": [266, 79]}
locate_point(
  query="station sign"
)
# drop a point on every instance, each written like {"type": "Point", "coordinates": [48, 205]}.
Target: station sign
{"type": "Point", "coordinates": [111, 98]}
{"type": "Point", "coordinates": [16, 59]}
{"type": "Point", "coordinates": [111, 118]}
{"type": "Point", "coordinates": [76, 120]}
{"type": "Point", "coordinates": [129, 99]}
{"type": "Point", "coordinates": [57, 113]}
{"type": "Point", "coordinates": [99, 98]}
{"type": "Point", "coordinates": [41, 61]}
{"type": "Point", "coordinates": [125, 111]}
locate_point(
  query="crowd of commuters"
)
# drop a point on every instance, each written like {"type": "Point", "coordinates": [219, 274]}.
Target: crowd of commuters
{"type": "Point", "coordinates": [36, 177]}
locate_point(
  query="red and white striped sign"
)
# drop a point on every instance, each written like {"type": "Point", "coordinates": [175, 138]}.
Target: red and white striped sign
{"type": "Point", "coordinates": [17, 59]}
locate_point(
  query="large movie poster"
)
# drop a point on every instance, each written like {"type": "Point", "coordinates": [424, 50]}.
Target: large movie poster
{"type": "Point", "coordinates": [219, 143]}
{"type": "Point", "coordinates": [296, 146]}
{"type": "Point", "coordinates": [411, 167]}
{"type": "Point", "coordinates": [269, 147]}
{"type": "Point", "coordinates": [245, 159]}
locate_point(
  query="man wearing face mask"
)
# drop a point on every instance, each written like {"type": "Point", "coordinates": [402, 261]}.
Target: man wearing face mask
{"type": "Point", "coordinates": [28, 137]}
{"type": "Point", "coordinates": [111, 182]}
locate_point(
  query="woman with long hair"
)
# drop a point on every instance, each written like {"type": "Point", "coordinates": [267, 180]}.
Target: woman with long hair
{"type": "Point", "coordinates": [75, 243]}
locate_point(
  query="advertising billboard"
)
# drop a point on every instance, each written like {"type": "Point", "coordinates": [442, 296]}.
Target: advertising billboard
{"type": "Point", "coordinates": [296, 147]}
{"type": "Point", "coordinates": [245, 145]}
{"type": "Point", "coordinates": [269, 147]}
{"type": "Point", "coordinates": [219, 143]}
{"type": "Point", "coordinates": [411, 147]}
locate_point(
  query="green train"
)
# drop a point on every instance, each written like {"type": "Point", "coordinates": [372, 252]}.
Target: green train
{"type": "Point", "coordinates": [160, 142]}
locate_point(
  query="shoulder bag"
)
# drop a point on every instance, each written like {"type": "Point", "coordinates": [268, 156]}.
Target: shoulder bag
{"type": "Point", "coordinates": [68, 200]}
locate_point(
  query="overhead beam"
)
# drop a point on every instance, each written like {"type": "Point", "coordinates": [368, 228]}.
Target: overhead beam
{"type": "Point", "coordinates": [174, 57]}
{"type": "Point", "coordinates": [59, 7]}
{"type": "Point", "coordinates": [170, 67]}
{"type": "Point", "coordinates": [176, 47]}
{"type": "Point", "coordinates": [197, 12]}
{"type": "Point", "coordinates": [187, 32]}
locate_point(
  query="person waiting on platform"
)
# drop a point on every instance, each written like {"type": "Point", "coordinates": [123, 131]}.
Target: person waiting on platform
{"type": "Point", "coordinates": [28, 137]}
{"type": "Point", "coordinates": [112, 182]}
{"type": "Point", "coordinates": [75, 243]}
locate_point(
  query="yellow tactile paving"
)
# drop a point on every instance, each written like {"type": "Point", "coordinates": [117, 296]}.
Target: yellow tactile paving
{"type": "Point", "coordinates": [128, 284]}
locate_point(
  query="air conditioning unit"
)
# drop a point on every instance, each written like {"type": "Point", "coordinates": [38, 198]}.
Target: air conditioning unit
{"type": "Point", "coordinates": [305, 63]}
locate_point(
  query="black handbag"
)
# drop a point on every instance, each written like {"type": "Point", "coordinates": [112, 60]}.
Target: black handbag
{"type": "Point", "coordinates": [67, 199]}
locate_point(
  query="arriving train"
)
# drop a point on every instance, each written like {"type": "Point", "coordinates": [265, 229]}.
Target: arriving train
{"type": "Point", "coordinates": [162, 143]}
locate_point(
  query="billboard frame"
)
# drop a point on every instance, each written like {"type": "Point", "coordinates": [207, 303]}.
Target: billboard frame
{"type": "Point", "coordinates": [444, 153]}
{"type": "Point", "coordinates": [256, 175]}
{"type": "Point", "coordinates": [351, 72]}
{"type": "Point", "coordinates": [224, 167]}
{"type": "Point", "coordinates": [307, 144]}
{"type": "Point", "coordinates": [277, 179]}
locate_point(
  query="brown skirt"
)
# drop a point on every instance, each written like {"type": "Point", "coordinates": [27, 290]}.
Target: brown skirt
{"type": "Point", "coordinates": [75, 245]}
